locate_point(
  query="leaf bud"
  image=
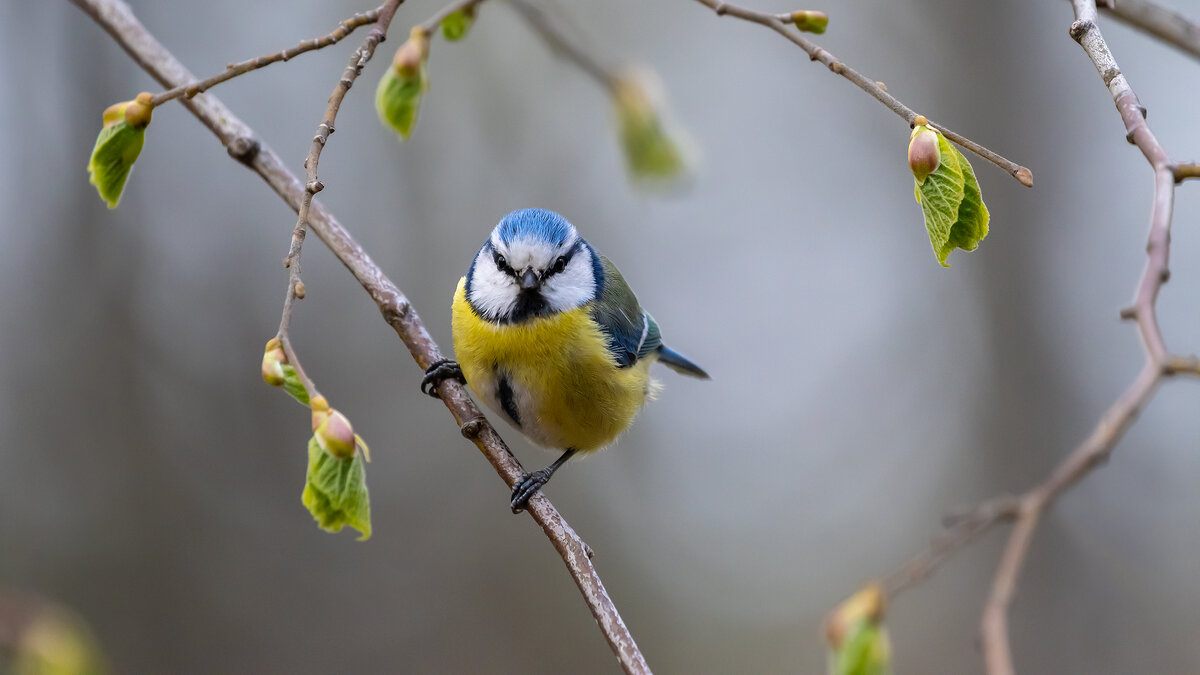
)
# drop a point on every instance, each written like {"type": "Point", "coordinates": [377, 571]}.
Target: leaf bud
{"type": "Point", "coordinates": [810, 21]}
{"type": "Point", "coordinates": [865, 605]}
{"type": "Point", "coordinates": [411, 55]}
{"type": "Point", "coordinates": [334, 433]}
{"type": "Point", "coordinates": [924, 157]}
{"type": "Point", "coordinates": [139, 111]}
{"type": "Point", "coordinates": [272, 363]}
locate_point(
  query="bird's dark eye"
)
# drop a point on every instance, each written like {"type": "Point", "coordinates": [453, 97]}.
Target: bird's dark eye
{"type": "Point", "coordinates": [560, 264]}
{"type": "Point", "coordinates": [501, 263]}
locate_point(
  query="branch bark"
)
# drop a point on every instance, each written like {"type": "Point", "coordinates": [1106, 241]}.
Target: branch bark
{"type": "Point", "coordinates": [313, 184]}
{"type": "Point", "coordinates": [1152, 18]}
{"type": "Point", "coordinates": [233, 70]}
{"type": "Point", "coordinates": [242, 144]}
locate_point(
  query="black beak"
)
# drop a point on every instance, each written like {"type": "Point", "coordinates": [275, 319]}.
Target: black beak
{"type": "Point", "coordinates": [529, 280]}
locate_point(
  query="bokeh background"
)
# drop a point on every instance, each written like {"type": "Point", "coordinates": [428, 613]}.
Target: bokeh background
{"type": "Point", "coordinates": [150, 480]}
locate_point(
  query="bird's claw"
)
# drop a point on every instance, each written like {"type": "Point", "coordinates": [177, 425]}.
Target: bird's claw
{"type": "Point", "coordinates": [442, 369]}
{"type": "Point", "coordinates": [526, 487]}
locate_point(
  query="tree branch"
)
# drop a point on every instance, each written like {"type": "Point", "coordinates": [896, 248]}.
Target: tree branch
{"type": "Point", "coordinates": [1152, 18]}
{"type": "Point", "coordinates": [116, 17]}
{"type": "Point", "coordinates": [1027, 509]}
{"type": "Point", "coordinates": [816, 53]}
{"type": "Point", "coordinates": [313, 185]}
{"type": "Point", "coordinates": [233, 70]}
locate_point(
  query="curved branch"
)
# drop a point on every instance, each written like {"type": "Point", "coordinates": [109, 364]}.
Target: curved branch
{"type": "Point", "coordinates": [816, 53]}
{"type": "Point", "coordinates": [1028, 509]}
{"type": "Point", "coordinates": [118, 20]}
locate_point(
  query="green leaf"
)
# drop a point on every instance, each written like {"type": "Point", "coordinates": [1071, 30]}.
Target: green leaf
{"type": "Point", "coordinates": [655, 150]}
{"type": "Point", "coordinates": [117, 148]}
{"type": "Point", "coordinates": [397, 100]}
{"type": "Point", "coordinates": [456, 25]}
{"type": "Point", "coordinates": [865, 651]}
{"type": "Point", "coordinates": [335, 491]}
{"type": "Point", "coordinates": [955, 215]}
{"type": "Point", "coordinates": [292, 384]}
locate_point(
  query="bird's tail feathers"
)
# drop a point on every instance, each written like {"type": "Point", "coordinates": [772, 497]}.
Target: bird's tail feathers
{"type": "Point", "coordinates": [676, 361]}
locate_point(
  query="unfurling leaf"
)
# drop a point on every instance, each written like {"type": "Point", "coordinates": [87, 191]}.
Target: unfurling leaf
{"type": "Point", "coordinates": [810, 21]}
{"type": "Point", "coordinates": [277, 372]}
{"type": "Point", "coordinates": [335, 491]}
{"type": "Point", "coordinates": [118, 146]}
{"type": "Point", "coordinates": [858, 640]}
{"type": "Point", "coordinates": [656, 150]}
{"type": "Point", "coordinates": [946, 188]}
{"type": "Point", "coordinates": [398, 96]}
{"type": "Point", "coordinates": [456, 25]}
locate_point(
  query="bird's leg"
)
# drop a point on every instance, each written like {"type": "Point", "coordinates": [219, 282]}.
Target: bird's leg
{"type": "Point", "coordinates": [442, 369]}
{"type": "Point", "coordinates": [531, 482]}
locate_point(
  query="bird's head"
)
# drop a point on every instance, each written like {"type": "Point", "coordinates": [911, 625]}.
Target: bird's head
{"type": "Point", "coordinates": [534, 264]}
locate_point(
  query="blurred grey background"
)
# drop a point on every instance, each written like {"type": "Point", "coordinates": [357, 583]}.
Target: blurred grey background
{"type": "Point", "coordinates": [149, 479]}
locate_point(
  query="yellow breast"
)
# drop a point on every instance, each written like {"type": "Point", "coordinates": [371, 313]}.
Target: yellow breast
{"type": "Point", "coordinates": [555, 373]}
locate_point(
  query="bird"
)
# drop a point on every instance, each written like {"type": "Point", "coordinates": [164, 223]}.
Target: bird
{"type": "Point", "coordinates": [549, 336]}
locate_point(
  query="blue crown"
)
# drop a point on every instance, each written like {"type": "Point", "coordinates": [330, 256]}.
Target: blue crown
{"type": "Point", "coordinates": [540, 224]}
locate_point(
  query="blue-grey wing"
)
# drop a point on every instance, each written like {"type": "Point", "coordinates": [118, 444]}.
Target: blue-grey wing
{"type": "Point", "coordinates": [632, 333]}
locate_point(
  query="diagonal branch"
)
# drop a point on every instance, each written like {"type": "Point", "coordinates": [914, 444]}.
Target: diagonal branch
{"type": "Point", "coordinates": [233, 70]}
{"type": "Point", "coordinates": [1152, 18]}
{"type": "Point", "coordinates": [240, 141]}
{"type": "Point", "coordinates": [817, 53]}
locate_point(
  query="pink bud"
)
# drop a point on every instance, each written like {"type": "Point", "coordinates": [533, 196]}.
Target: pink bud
{"type": "Point", "coordinates": [335, 435]}
{"type": "Point", "coordinates": [923, 153]}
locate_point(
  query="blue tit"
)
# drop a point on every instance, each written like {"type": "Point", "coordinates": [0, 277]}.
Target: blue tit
{"type": "Point", "coordinates": [549, 336]}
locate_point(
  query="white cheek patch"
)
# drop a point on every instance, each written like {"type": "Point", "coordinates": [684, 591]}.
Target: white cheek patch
{"type": "Point", "coordinates": [573, 286]}
{"type": "Point", "coordinates": [493, 293]}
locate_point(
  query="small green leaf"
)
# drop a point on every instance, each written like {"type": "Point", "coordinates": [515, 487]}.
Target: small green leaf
{"type": "Point", "coordinates": [335, 491]}
{"type": "Point", "coordinates": [456, 25]}
{"type": "Point", "coordinates": [865, 651]}
{"type": "Point", "coordinates": [398, 99]}
{"type": "Point", "coordinates": [955, 215]}
{"type": "Point", "coordinates": [655, 150]}
{"type": "Point", "coordinates": [117, 148]}
{"type": "Point", "coordinates": [292, 384]}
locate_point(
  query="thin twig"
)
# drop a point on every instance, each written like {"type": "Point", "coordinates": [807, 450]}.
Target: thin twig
{"type": "Point", "coordinates": [233, 70]}
{"type": "Point", "coordinates": [1165, 24]}
{"type": "Point", "coordinates": [958, 533]}
{"type": "Point", "coordinates": [817, 53]}
{"type": "Point", "coordinates": [1186, 170]}
{"type": "Point", "coordinates": [552, 34]}
{"type": "Point", "coordinates": [242, 144]}
{"type": "Point", "coordinates": [295, 287]}
{"type": "Point", "coordinates": [431, 24]}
